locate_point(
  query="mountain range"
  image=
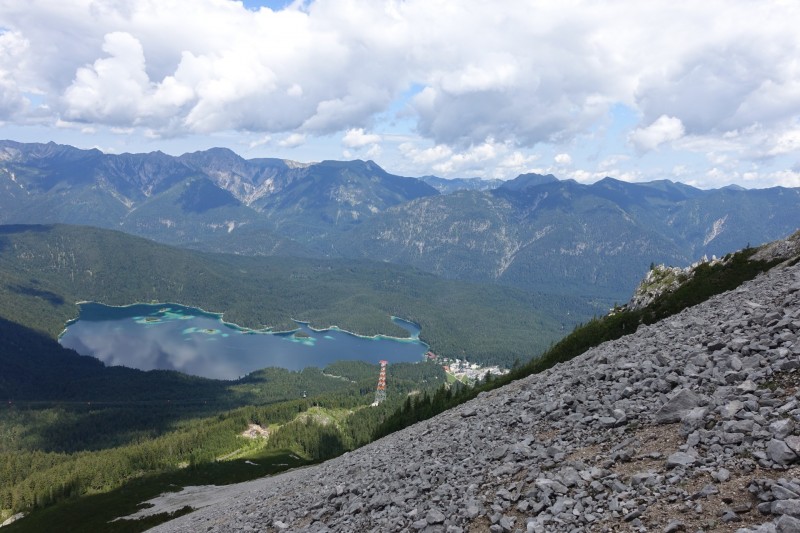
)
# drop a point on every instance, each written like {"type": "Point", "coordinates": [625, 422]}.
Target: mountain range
{"type": "Point", "coordinates": [534, 232]}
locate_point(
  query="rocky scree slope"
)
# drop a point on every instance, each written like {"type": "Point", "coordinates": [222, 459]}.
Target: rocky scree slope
{"type": "Point", "coordinates": [690, 424]}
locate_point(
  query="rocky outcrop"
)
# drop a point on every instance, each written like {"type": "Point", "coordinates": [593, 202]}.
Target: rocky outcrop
{"type": "Point", "coordinates": [689, 424]}
{"type": "Point", "coordinates": [662, 279]}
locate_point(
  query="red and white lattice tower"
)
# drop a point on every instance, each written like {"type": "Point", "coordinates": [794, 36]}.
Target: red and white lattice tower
{"type": "Point", "coordinates": [380, 392]}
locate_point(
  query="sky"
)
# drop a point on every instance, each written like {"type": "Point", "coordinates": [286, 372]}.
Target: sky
{"type": "Point", "coordinates": [706, 93]}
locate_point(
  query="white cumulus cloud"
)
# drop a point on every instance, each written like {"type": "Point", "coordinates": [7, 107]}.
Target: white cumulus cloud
{"type": "Point", "coordinates": [786, 143]}
{"type": "Point", "coordinates": [663, 129]}
{"type": "Point", "coordinates": [472, 159]}
{"type": "Point", "coordinates": [563, 159]}
{"type": "Point", "coordinates": [356, 138]}
{"type": "Point", "coordinates": [113, 88]}
{"type": "Point", "coordinates": [425, 156]}
{"type": "Point", "coordinates": [261, 141]}
{"type": "Point", "coordinates": [292, 141]}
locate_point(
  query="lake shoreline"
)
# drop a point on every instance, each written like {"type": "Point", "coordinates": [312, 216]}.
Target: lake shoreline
{"type": "Point", "coordinates": [191, 340]}
{"type": "Point", "coordinates": [265, 330]}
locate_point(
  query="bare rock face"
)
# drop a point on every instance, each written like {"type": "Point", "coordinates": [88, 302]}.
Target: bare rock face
{"type": "Point", "coordinates": [691, 421]}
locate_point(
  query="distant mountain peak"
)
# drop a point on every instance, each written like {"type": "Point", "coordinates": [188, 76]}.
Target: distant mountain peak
{"type": "Point", "coordinates": [290, 163]}
{"type": "Point", "coordinates": [734, 187]}
{"type": "Point", "coordinates": [526, 181]}
{"type": "Point", "coordinates": [215, 151]}
{"type": "Point", "coordinates": [608, 180]}
{"type": "Point", "coordinates": [217, 154]}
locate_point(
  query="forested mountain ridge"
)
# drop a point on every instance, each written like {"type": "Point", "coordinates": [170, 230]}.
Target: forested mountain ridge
{"type": "Point", "coordinates": [540, 233]}
{"type": "Point", "coordinates": [534, 232]}
{"type": "Point", "coordinates": [44, 270]}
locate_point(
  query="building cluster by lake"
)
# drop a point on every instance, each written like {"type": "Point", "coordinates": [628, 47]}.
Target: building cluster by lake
{"type": "Point", "coordinates": [465, 371]}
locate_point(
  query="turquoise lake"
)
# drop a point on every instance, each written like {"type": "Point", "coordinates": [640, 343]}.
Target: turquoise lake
{"type": "Point", "coordinates": [192, 341]}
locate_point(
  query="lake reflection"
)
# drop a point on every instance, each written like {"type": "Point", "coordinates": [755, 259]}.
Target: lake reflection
{"type": "Point", "coordinates": [174, 337]}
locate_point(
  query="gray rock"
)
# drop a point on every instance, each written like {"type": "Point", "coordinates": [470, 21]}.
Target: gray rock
{"type": "Point", "coordinates": [748, 386]}
{"type": "Point", "coordinates": [641, 478]}
{"type": "Point", "coordinates": [732, 438]}
{"type": "Point", "coordinates": [674, 526]}
{"type": "Point", "coordinates": [763, 528]}
{"type": "Point", "coordinates": [793, 442]}
{"type": "Point", "coordinates": [419, 524]}
{"type": "Point", "coordinates": [634, 515]}
{"type": "Point", "coordinates": [780, 453]}
{"type": "Point", "coordinates": [682, 459]}
{"type": "Point", "coordinates": [677, 406]}
{"type": "Point", "coordinates": [551, 485]}
{"type": "Point", "coordinates": [784, 493]}
{"type": "Point", "coordinates": [692, 420]}
{"type": "Point", "coordinates": [787, 524]}
{"type": "Point", "coordinates": [721, 475]}
{"type": "Point", "coordinates": [435, 516]}
{"type": "Point", "coordinates": [781, 429]}
{"type": "Point", "coordinates": [607, 421]}
{"type": "Point", "coordinates": [705, 492]}
{"type": "Point", "coordinates": [738, 426]}
{"type": "Point", "coordinates": [731, 408]}
{"type": "Point", "coordinates": [507, 523]}
{"type": "Point", "coordinates": [790, 507]}
{"type": "Point", "coordinates": [765, 508]}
